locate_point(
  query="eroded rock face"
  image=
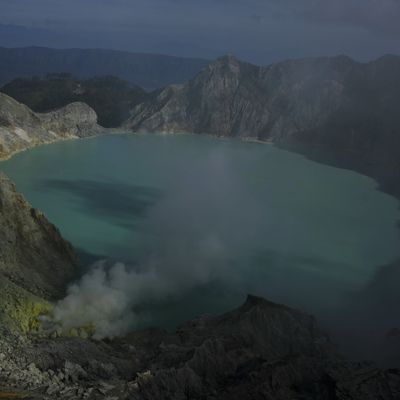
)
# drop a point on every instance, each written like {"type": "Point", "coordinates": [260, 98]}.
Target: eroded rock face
{"type": "Point", "coordinates": [33, 255]}
{"type": "Point", "coordinates": [77, 119]}
{"type": "Point", "coordinates": [224, 100]}
{"type": "Point", "coordinates": [233, 98]}
{"type": "Point", "coordinates": [21, 128]}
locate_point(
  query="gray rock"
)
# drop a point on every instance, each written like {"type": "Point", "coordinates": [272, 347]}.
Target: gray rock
{"type": "Point", "coordinates": [21, 128]}
{"type": "Point", "coordinates": [33, 255]}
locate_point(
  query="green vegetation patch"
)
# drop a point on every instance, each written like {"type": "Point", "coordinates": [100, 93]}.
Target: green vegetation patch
{"type": "Point", "coordinates": [112, 98]}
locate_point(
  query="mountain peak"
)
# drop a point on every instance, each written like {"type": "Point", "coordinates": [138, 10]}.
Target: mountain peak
{"type": "Point", "coordinates": [228, 60]}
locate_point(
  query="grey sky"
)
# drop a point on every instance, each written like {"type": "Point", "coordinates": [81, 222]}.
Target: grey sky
{"type": "Point", "coordinates": [257, 30]}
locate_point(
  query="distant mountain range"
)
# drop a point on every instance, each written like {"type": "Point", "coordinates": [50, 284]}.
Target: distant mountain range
{"type": "Point", "coordinates": [147, 70]}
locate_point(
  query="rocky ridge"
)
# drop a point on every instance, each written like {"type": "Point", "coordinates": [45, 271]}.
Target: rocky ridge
{"type": "Point", "coordinates": [21, 128]}
{"type": "Point", "coordinates": [260, 350]}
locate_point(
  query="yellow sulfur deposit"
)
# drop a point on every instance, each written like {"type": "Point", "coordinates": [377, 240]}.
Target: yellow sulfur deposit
{"type": "Point", "coordinates": [84, 332]}
{"type": "Point", "coordinates": [11, 395]}
{"type": "Point", "coordinates": [21, 308]}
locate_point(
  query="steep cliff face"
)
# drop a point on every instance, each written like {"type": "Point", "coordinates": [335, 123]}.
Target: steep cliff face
{"type": "Point", "coordinates": [21, 128]}
{"type": "Point", "coordinates": [347, 109]}
{"type": "Point", "coordinates": [219, 101]}
{"type": "Point", "coordinates": [33, 255]}
{"type": "Point", "coordinates": [232, 98]}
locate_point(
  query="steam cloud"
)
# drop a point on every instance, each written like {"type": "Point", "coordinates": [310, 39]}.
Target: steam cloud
{"type": "Point", "coordinates": [176, 254]}
{"type": "Point", "coordinates": [198, 234]}
{"type": "Point", "coordinates": [108, 296]}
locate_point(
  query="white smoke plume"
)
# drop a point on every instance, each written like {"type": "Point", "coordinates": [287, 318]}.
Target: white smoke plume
{"type": "Point", "coordinates": [104, 298]}
{"type": "Point", "coordinates": [191, 237]}
{"type": "Point", "coordinates": [107, 297]}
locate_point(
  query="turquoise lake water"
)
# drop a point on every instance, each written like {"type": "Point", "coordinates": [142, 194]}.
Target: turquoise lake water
{"type": "Point", "coordinates": [223, 217]}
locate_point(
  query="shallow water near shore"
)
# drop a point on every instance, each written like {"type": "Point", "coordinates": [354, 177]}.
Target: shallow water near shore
{"type": "Point", "coordinates": [223, 217]}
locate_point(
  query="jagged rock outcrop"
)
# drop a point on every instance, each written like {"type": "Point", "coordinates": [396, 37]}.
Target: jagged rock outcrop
{"type": "Point", "coordinates": [261, 350]}
{"type": "Point", "coordinates": [33, 255]}
{"type": "Point", "coordinates": [333, 109]}
{"type": "Point", "coordinates": [21, 128]}
{"type": "Point", "coordinates": [233, 98]}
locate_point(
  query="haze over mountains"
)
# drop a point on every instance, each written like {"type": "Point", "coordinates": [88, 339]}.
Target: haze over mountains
{"type": "Point", "coordinates": [147, 70]}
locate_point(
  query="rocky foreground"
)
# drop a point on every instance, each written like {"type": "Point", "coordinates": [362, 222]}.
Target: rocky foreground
{"type": "Point", "coordinates": [261, 350]}
{"type": "Point", "coordinates": [21, 128]}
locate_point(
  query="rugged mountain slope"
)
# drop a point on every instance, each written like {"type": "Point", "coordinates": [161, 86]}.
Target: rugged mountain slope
{"type": "Point", "coordinates": [35, 263]}
{"type": "Point", "coordinates": [347, 109]}
{"type": "Point", "coordinates": [111, 98]}
{"type": "Point", "coordinates": [33, 254]}
{"type": "Point", "coordinates": [21, 128]}
{"type": "Point", "coordinates": [232, 98]}
{"type": "Point", "coordinates": [147, 70]}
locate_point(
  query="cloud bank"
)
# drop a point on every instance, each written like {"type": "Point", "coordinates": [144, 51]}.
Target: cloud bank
{"type": "Point", "coordinates": [258, 30]}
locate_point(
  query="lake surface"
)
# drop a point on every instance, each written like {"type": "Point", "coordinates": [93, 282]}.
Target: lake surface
{"type": "Point", "coordinates": [220, 218]}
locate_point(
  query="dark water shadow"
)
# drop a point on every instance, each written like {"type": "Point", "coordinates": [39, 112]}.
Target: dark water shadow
{"type": "Point", "coordinates": [370, 322]}
{"type": "Point", "coordinates": [366, 325]}
{"type": "Point", "coordinates": [122, 202]}
{"type": "Point", "coordinates": [386, 175]}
